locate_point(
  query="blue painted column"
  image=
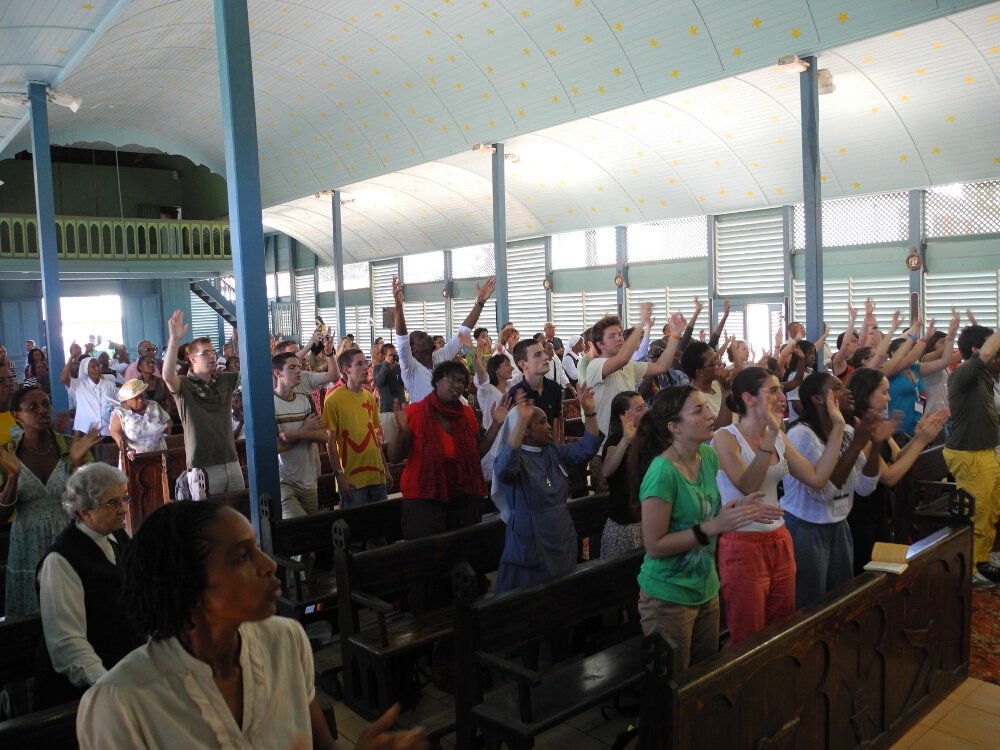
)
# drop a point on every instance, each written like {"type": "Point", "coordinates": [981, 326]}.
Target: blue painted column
{"type": "Point", "coordinates": [45, 208]}
{"type": "Point", "coordinates": [919, 244]}
{"type": "Point", "coordinates": [338, 263]}
{"type": "Point", "coordinates": [500, 235]}
{"type": "Point", "coordinates": [812, 198]}
{"type": "Point", "coordinates": [621, 259]}
{"type": "Point", "coordinates": [239, 128]}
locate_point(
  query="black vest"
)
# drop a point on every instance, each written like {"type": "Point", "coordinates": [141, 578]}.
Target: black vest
{"type": "Point", "coordinates": [108, 629]}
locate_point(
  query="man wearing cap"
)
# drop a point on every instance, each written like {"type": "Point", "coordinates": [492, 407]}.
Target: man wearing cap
{"type": "Point", "coordinates": [138, 425]}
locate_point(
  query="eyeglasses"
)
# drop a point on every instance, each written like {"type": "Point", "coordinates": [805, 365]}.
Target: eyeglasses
{"type": "Point", "coordinates": [148, 349]}
{"type": "Point", "coordinates": [456, 379]}
{"type": "Point", "coordinates": [206, 353]}
{"type": "Point", "coordinates": [116, 503]}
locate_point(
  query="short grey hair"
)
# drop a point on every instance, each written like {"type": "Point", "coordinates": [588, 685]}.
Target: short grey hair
{"type": "Point", "coordinates": [87, 484]}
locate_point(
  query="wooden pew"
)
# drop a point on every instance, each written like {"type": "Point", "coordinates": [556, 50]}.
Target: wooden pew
{"type": "Point", "coordinates": [856, 669]}
{"type": "Point", "coordinates": [911, 491]}
{"type": "Point", "coordinates": [376, 659]}
{"type": "Point", "coordinates": [53, 728]}
{"type": "Point", "coordinates": [535, 701]}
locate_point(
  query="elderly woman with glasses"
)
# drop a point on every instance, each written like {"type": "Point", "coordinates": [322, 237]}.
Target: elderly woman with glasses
{"type": "Point", "coordinates": [137, 424]}
{"type": "Point", "coordinates": [79, 587]}
{"type": "Point", "coordinates": [34, 468]}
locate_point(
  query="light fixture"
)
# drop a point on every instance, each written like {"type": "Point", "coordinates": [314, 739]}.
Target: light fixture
{"type": "Point", "coordinates": [792, 64]}
{"type": "Point", "coordinates": [56, 97]}
{"type": "Point", "coordinates": [344, 197]}
{"type": "Point", "coordinates": [824, 81]}
{"type": "Point", "coordinates": [483, 148]}
{"type": "Point", "coordinates": [512, 158]}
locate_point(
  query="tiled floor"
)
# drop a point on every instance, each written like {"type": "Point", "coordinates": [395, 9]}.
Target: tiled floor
{"type": "Point", "coordinates": [968, 719]}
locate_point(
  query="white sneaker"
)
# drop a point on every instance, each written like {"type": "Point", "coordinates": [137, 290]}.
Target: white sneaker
{"type": "Point", "coordinates": [981, 581]}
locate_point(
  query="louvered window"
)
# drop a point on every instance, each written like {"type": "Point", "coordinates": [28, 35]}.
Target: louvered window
{"type": "Point", "coordinates": [356, 276]}
{"type": "Point", "coordinates": [672, 239]}
{"type": "Point", "coordinates": [487, 318]}
{"type": "Point", "coordinates": [586, 249]}
{"type": "Point", "coordinates": [473, 262]}
{"type": "Point", "coordinates": [667, 301]}
{"type": "Point", "coordinates": [574, 312]}
{"type": "Point", "coordinates": [305, 295]}
{"type": "Point", "coordinates": [204, 320]}
{"type": "Point", "coordinates": [423, 267]}
{"type": "Point", "coordinates": [426, 316]}
{"type": "Point", "coordinates": [356, 318]}
{"type": "Point", "coordinates": [526, 296]}
{"type": "Point", "coordinates": [964, 291]}
{"type": "Point", "coordinates": [382, 273]}
{"type": "Point", "coordinates": [890, 293]}
{"type": "Point", "coordinates": [329, 316]}
{"type": "Point", "coordinates": [749, 258]}
{"type": "Point", "coordinates": [326, 279]}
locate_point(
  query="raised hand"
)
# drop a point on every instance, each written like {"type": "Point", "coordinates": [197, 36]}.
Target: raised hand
{"type": "Point", "coordinates": [628, 426]}
{"type": "Point", "coordinates": [525, 406]}
{"type": "Point", "coordinates": [833, 408]}
{"type": "Point", "coordinates": [725, 307]}
{"type": "Point", "coordinates": [971, 317]}
{"type": "Point", "coordinates": [677, 324]}
{"type": "Point", "coordinates": [9, 461]}
{"type": "Point", "coordinates": [869, 308]}
{"type": "Point", "coordinates": [501, 409]}
{"type": "Point", "coordinates": [485, 291]}
{"type": "Point", "coordinates": [397, 290]}
{"type": "Point", "coordinates": [646, 313]}
{"type": "Point", "coordinates": [585, 395]}
{"type": "Point", "coordinates": [177, 327]}
{"type": "Point", "coordinates": [465, 339]}
{"type": "Point", "coordinates": [698, 305]}
{"type": "Point", "coordinates": [896, 320]}
{"type": "Point", "coordinates": [931, 329]}
{"type": "Point", "coordinates": [953, 325]}
{"type": "Point", "coordinates": [81, 445]}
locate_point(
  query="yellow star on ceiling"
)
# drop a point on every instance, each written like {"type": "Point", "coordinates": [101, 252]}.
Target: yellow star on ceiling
{"type": "Point", "coordinates": [490, 32]}
{"type": "Point", "coordinates": [600, 89]}
{"type": "Point", "coordinates": [491, 123]}
{"type": "Point", "coordinates": [451, 58]}
{"type": "Point", "coordinates": [904, 98]}
{"type": "Point", "coordinates": [842, 17]}
{"type": "Point", "coordinates": [653, 43]}
{"type": "Point", "coordinates": [524, 14]}
{"type": "Point", "coordinates": [779, 141]}
{"type": "Point", "coordinates": [994, 50]}
{"type": "Point", "coordinates": [663, 201]}
{"type": "Point", "coordinates": [921, 71]}
{"type": "Point", "coordinates": [737, 52]}
{"type": "Point", "coordinates": [617, 71]}
{"type": "Point", "coordinates": [779, 190]}
{"type": "Point", "coordinates": [618, 26]}
{"type": "Point", "coordinates": [716, 163]}
{"type": "Point", "coordinates": [552, 53]}
{"type": "Point", "coordinates": [902, 157]}
{"type": "Point", "coordinates": [675, 73]}
{"type": "Point", "coordinates": [588, 39]}
{"type": "Point", "coordinates": [489, 70]}
{"type": "Point", "coordinates": [559, 27]}
{"type": "Point", "coordinates": [755, 23]}
{"type": "Point", "coordinates": [970, 79]}
{"type": "Point", "coordinates": [485, 4]}
{"type": "Point", "coordinates": [520, 112]}
{"type": "Point", "coordinates": [856, 185]}
{"type": "Point", "coordinates": [874, 110]}
{"type": "Point", "coordinates": [997, 159]}
{"type": "Point", "coordinates": [795, 33]}
{"type": "Point", "coordinates": [593, 209]}
{"type": "Point", "coordinates": [87, 6]}
{"type": "Point", "coordinates": [575, 90]}
{"type": "Point", "coordinates": [486, 95]}
{"type": "Point", "coordinates": [525, 51]}
{"type": "Point", "coordinates": [938, 45]}
{"type": "Point", "coordinates": [693, 31]}
{"type": "Point", "coordinates": [555, 99]}
{"type": "Point", "coordinates": [524, 84]}
{"type": "Point", "coordinates": [950, 118]}
{"type": "Point", "coordinates": [672, 181]}
{"type": "Point", "coordinates": [458, 86]}
{"type": "Point", "coordinates": [935, 150]}
{"type": "Point", "coordinates": [430, 59]}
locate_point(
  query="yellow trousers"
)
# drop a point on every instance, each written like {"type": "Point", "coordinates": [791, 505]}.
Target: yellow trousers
{"type": "Point", "coordinates": [978, 473]}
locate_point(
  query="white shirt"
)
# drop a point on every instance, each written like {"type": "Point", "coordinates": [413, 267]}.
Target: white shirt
{"type": "Point", "coordinates": [299, 465]}
{"type": "Point", "coordinates": [556, 373]}
{"type": "Point", "coordinates": [488, 396]}
{"type": "Point", "coordinates": [729, 491]}
{"type": "Point", "coordinates": [160, 696]}
{"type": "Point", "coordinates": [64, 615]}
{"type": "Point", "coordinates": [830, 504]}
{"type": "Point", "coordinates": [94, 401]}
{"type": "Point", "coordinates": [416, 377]}
{"type": "Point", "coordinates": [606, 387]}
{"type": "Point", "coordinates": [569, 366]}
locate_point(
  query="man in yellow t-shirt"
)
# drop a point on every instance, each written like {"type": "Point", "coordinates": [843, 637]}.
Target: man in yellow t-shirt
{"type": "Point", "coordinates": [351, 414]}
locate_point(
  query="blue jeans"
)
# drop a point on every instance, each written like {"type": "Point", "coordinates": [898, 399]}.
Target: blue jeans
{"type": "Point", "coordinates": [373, 493]}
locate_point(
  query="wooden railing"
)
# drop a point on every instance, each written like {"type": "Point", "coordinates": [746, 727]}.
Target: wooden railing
{"type": "Point", "coordinates": [96, 238]}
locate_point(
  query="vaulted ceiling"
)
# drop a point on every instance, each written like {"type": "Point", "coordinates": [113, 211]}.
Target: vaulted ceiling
{"type": "Point", "coordinates": [618, 111]}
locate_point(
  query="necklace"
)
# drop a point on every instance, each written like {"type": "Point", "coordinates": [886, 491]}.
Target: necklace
{"type": "Point", "coordinates": [37, 452]}
{"type": "Point", "coordinates": [697, 462]}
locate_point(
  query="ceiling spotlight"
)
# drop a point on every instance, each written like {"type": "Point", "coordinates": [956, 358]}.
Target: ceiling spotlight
{"type": "Point", "coordinates": [792, 64]}
{"type": "Point", "coordinates": [483, 148]}
{"type": "Point", "coordinates": [13, 100]}
{"type": "Point", "coordinates": [324, 194]}
{"type": "Point", "coordinates": [65, 100]}
{"type": "Point", "coordinates": [512, 158]}
{"type": "Point", "coordinates": [824, 81]}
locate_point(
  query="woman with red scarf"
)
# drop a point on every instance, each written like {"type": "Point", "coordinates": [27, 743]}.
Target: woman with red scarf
{"type": "Point", "coordinates": [439, 436]}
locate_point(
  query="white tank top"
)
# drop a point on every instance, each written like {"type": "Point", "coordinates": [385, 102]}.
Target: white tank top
{"type": "Point", "coordinates": [769, 486]}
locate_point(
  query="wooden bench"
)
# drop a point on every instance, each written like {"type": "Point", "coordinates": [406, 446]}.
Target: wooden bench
{"type": "Point", "coordinates": [53, 728]}
{"type": "Point", "coordinates": [377, 659]}
{"type": "Point", "coordinates": [857, 669]}
{"type": "Point", "coordinates": [535, 701]}
{"type": "Point", "coordinates": [316, 597]}
{"type": "Point", "coordinates": [912, 490]}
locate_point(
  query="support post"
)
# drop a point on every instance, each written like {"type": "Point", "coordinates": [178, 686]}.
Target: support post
{"type": "Point", "coordinates": [500, 235]}
{"type": "Point", "coordinates": [45, 208]}
{"type": "Point", "coordinates": [621, 258]}
{"type": "Point", "coordinates": [338, 263]}
{"type": "Point", "coordinates": [813, 200]}
{"type": "Point", "coordinates": [917, 241]}
{"type": "Point", "coordinates": [239, 127]}
{"type": "Point", "coordinates": [449, 303]}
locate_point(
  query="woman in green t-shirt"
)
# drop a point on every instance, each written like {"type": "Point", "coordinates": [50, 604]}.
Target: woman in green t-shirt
{"type": "Point", "coordinates": [681, 516]}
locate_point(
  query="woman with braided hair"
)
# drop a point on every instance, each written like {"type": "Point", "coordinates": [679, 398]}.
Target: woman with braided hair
{"type": "Point", "coordinates": [220, 670]}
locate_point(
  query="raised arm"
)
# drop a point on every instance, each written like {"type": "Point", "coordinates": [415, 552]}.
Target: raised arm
{"type": "Point", "coordinates": [666, 358]}
{"type": "Point", "coordinates": [717, 331]}
{"type": "Point", "coordinates": [397, 297]}
{"type": "Point", "coordinates": [624, 355]}
{"type": "Point", "coordinates": [839, 360]}
{"type": "Point", "coordinates": [483, 293]}
{"type": "Point", "coordinates": [177, 328]}
{"type": "Point", "coordinates": [901, 359]}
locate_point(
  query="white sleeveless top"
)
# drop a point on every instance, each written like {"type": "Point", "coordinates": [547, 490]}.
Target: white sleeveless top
{"type": "Point", "coordinates": [769, 486]}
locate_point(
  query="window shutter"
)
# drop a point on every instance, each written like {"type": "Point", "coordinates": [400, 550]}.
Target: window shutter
{"type": "Point", "coordinates": [836, 295]}
{"type": "Point", "coordinates": [204, 320]}
{"type": "Point", "coordinates": [429, 317]}
{"type": "Point", "coordinates": [305, 295]}
{"type": "Point", "coordinates": [382, 274]}
{"type": "Point", "coordinates": [568, 314]}
{"type": "Point", "coordinates": [487, 318]}
{"type": "Point", "coordinates": [526, 296]}
{"type": "Point", "coordinates": [356, 318]}
{"type": "Point", "coordinates": [749, 254]}
{"type": "Point", "coordinates": [964, 291]}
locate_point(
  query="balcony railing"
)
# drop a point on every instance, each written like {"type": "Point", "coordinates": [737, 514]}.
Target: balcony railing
{"type": "Point", "coordinates": [95, 238]}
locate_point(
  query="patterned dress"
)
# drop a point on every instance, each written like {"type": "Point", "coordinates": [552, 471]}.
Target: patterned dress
{"type": "Point", "coordinates": [145, 430]}
{"type": "Point", "coordinates": [40, 517]}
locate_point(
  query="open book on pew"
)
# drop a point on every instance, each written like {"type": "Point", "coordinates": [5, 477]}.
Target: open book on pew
{"type": "Point", "coordinates": [888, 558]}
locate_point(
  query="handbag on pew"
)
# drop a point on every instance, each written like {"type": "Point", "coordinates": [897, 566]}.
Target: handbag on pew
{"type": "Point", "coordinates": [191, 485]}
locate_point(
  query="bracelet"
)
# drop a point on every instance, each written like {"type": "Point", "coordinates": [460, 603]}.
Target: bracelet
{"type": "Point", "coordinates": [480, 304]}
{"type": "Point", "coordinates": [911, 337]}
{"type": "Point", "coordinates": [592, 414]}
{"type": "Point", "coordinates": [700, 534]}
{"type": "Point", "coordinates": [765, 450]}
{"type": "Point", "coordinates": [675, 337]}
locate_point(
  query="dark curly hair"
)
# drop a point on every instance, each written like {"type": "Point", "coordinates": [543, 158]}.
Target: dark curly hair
{"type": "Point", "coordinates": [18, 397]}
{"type": "Point", "coordinates": [447, 369]}
{"type": "Point", "coordinates": [164, 567]}
{"type": "Point", "coordinates": [863, 383]}
{"type": "Point", "coordinates": [813, 385]}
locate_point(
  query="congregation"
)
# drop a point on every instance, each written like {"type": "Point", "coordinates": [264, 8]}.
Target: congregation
{"type": "Point", "coordinates": [756, 483]}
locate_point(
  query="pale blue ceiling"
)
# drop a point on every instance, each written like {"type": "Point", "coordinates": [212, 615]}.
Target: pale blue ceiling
{"type": "Point", "coordinates": [618, 111]}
